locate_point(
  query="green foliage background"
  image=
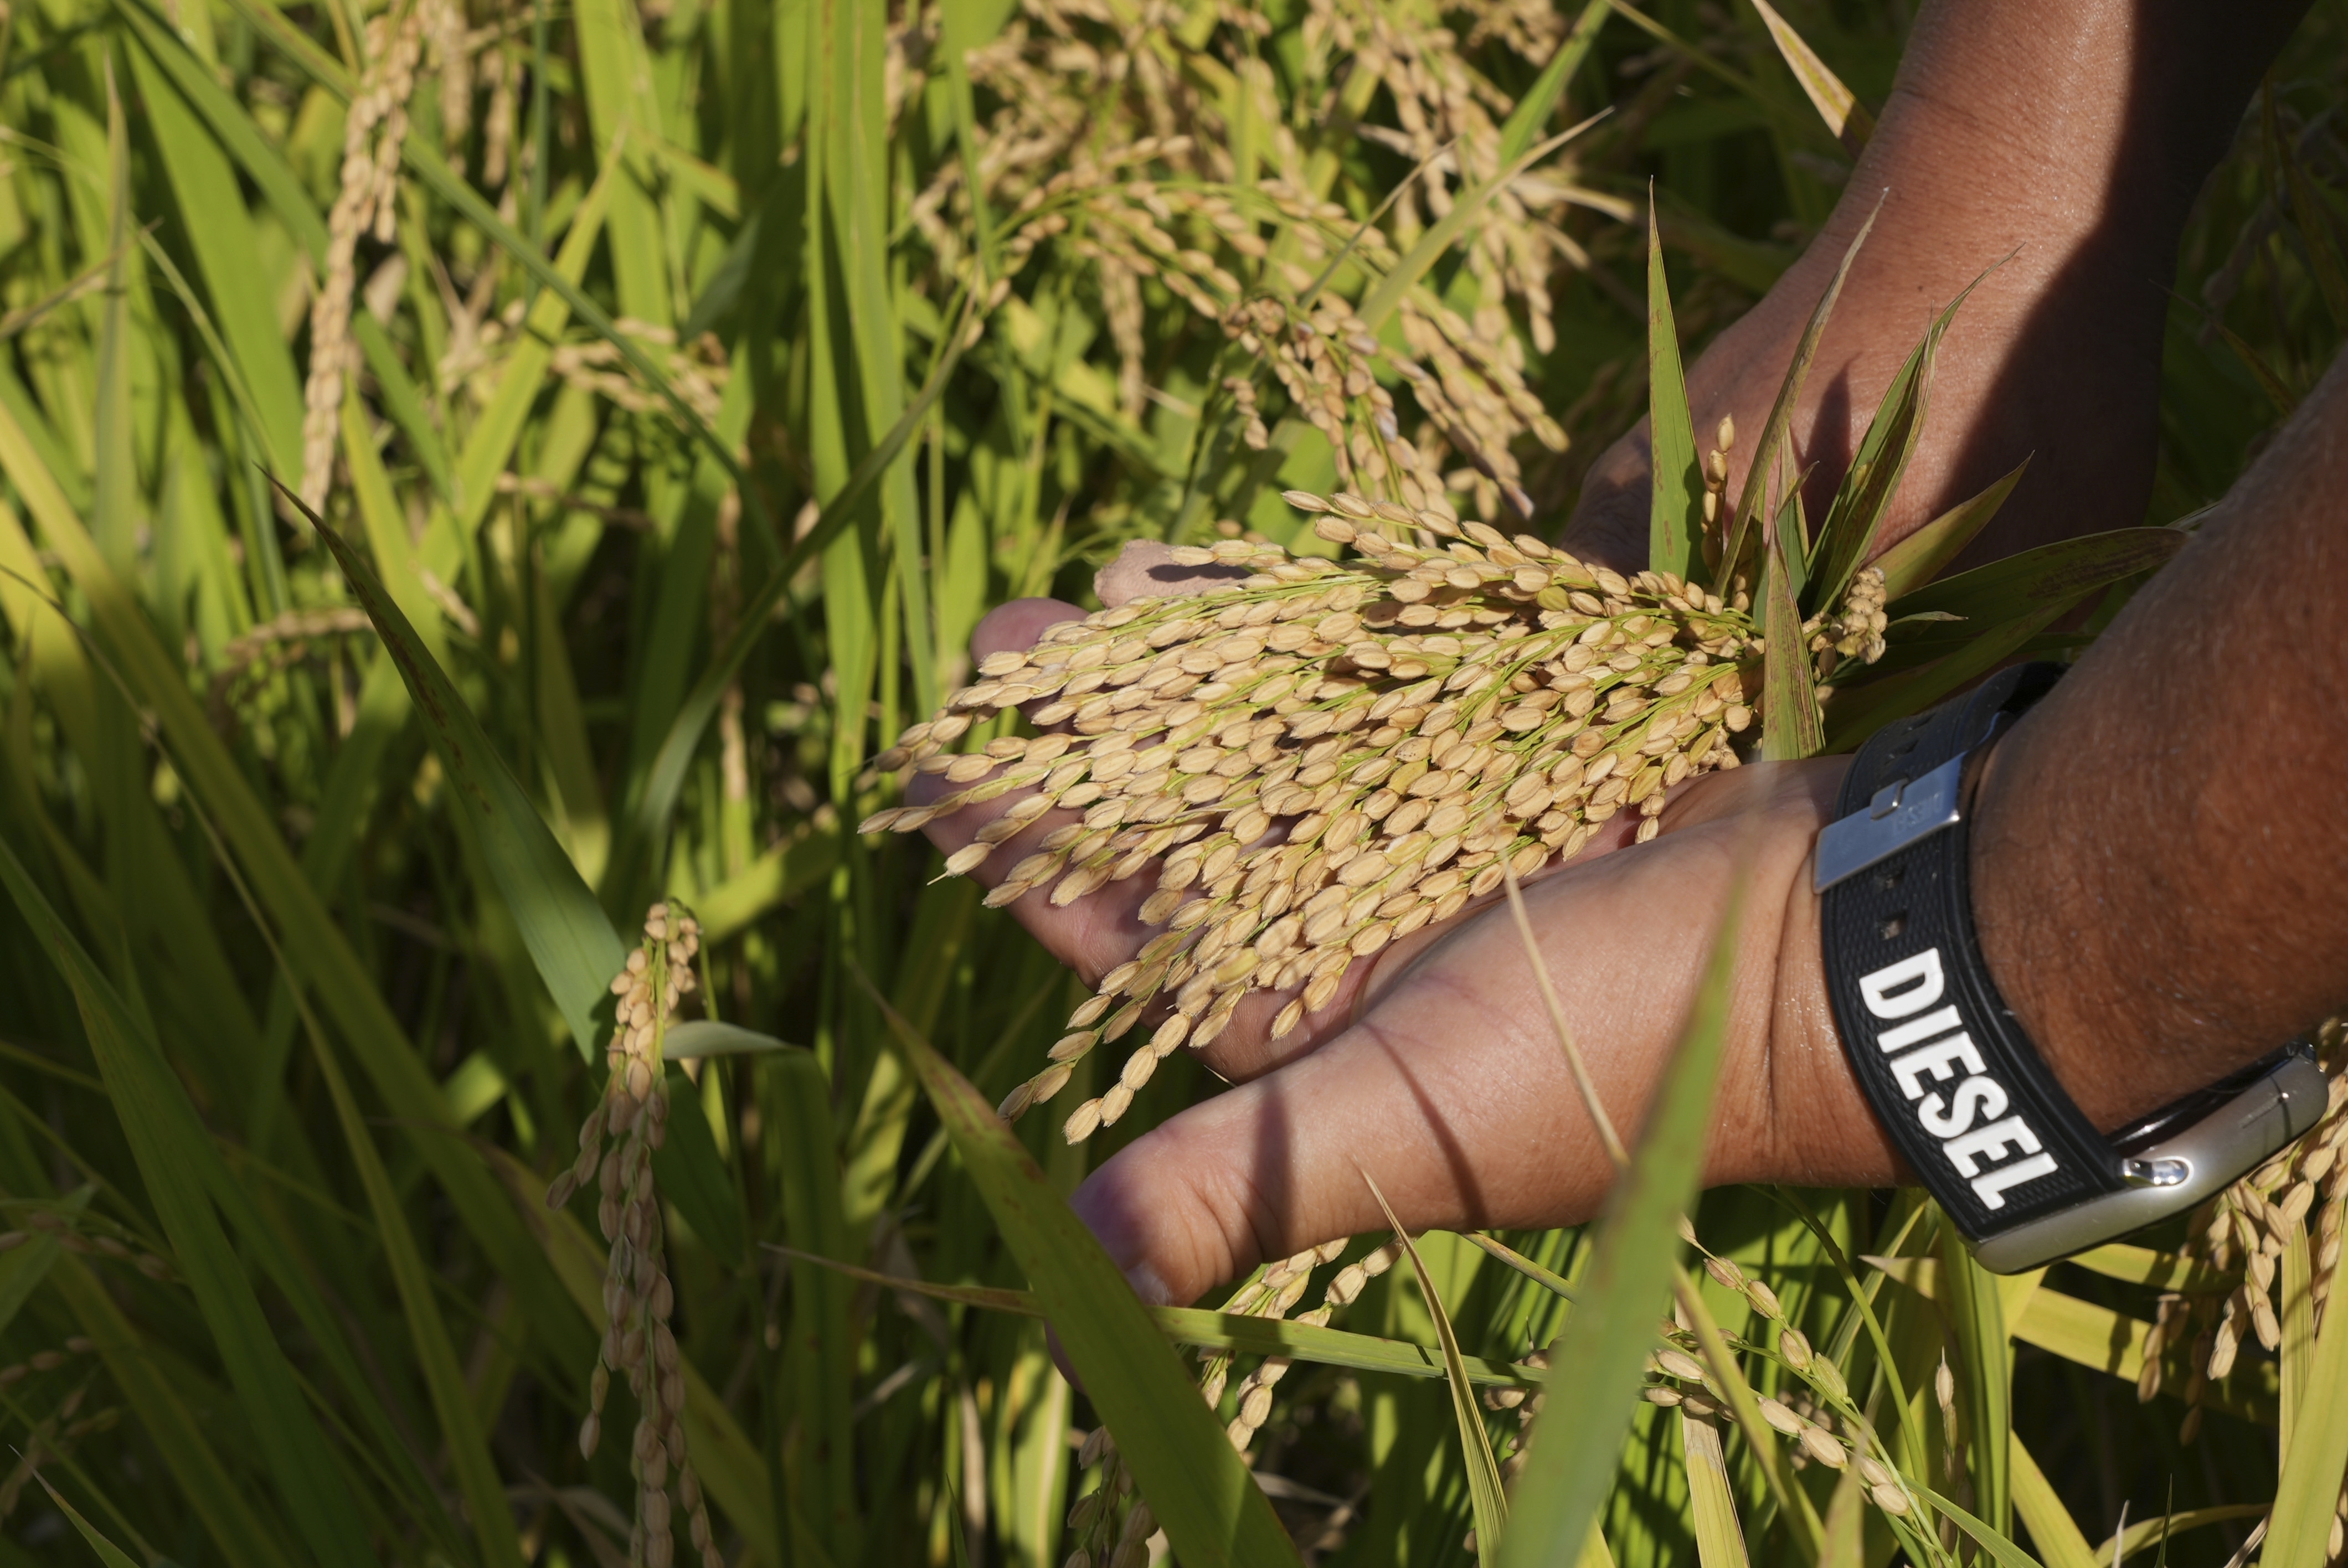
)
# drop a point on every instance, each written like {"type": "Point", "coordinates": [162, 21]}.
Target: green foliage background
{"type": "Point", "coordinates": [300, 992]}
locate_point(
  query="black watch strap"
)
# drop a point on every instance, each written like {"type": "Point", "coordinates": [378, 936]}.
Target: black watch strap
{"type": "Point", "coordinates": [1957, 1086]}
{"type": "Point", "coordinates": [1955, 1083]}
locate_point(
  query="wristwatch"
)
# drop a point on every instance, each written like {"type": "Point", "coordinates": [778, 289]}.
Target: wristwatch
{"type": "Point", "coordinates": [1959, 1090]}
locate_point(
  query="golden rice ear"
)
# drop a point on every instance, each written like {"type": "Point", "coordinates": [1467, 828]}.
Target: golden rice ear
{"type": "Point", "coordinates": [1308, 773]}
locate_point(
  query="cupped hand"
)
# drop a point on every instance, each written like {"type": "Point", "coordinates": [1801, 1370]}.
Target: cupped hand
{"type": "Point", "coordinates": [1435, 1069]}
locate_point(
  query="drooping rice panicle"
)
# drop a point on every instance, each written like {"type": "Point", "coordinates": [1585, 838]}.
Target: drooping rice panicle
{"type": "Point", "coordinates": [1317, 760]}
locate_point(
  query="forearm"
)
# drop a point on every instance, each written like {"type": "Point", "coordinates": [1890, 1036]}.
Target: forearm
{"type": "Point", "coordinates": [2017, 120]}
{"type": "Point", "coordinates": [2158, 865]}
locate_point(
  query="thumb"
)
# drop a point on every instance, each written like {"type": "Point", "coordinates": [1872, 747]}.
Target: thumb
{"type": "Point", "coordinates": [1271, 1167]}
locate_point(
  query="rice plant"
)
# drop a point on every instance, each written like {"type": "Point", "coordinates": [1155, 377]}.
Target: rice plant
{"type": "Point", "coordinates": [478, 481]}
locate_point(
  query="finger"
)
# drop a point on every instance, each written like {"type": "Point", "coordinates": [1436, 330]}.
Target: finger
{"type": "Point", "coordinates": [1019, 624]}
{"type": "Point", "coordinates": [1452, 1093]}
{"type": "Point", "coordinates": [1148, 566]}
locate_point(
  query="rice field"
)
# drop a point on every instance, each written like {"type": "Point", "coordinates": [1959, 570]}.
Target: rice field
{"type": "Point", "coordinates": [479, 487]}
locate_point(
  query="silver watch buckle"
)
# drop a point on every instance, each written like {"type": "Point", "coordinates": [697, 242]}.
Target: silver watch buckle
{"type": "Point", "coordinates": [1903, 812]}
{"type": "Point", "coordinates": [2234, 1139]}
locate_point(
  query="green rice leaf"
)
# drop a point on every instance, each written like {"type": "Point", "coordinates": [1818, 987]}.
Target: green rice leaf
{"type": "Point", "coordinates": [497, 430]}
{"type": "Point", "coordinates": [1751, 505]}
{"type": "Point", "coordinates": [1541, 99]}
{"type": "Point", "coordinates": [1488, 1504]}
{"type": "Point", "coordinates": [1719, 1541]}
{"type": "Point", "coordinates": [1675, 518]}
{"type": "Point", "coordinates": [569, 937]}
{"type": "Point", "coordinates": [693, 1176]}
{"type": "Point", "coordinates": [1919, 558]}
{"type": "Point", "coordinates": [1970, 1301]}
{"type": "Point", "coordinates": [173, 1149]}
{"type": "Point", "coordinates": [1791, 725]}
{"type": "Point", "coordinates": [1548, 1279]}
{"type": "Point", "coordinates": [1844, 1544]}
{"type": "Point", "coordinates": [1854, 522]}
{"type": "Point", "coordinates": [2057, 576]}
{"type": "Point", "coordinates": [1440, 235]}
{"type": "Point", "coordinates": [22, 1271]}
{"type": "Point", "coordinates": [2143, 1265]}
{"type": "Point", "coordinates": [2309, 1490]}
{"type": "Point", "coordinates": [706, 1037]}
{"type": "Point", "coordinates": [1846, 118]}
{"type": "Point", "coordinates": [2298, 1322]}
{"type": "Point", "coordinates": [1793, 1504]}
{"type": "Point", "coordinates": [1236, 1332]}
{"type": "Point", "coordinates": [1210, 1506]}
{"type": "Point", "coordinates": [111, 1554]}
{"type": "Point", "coordinates": [2052, 1529]}
{"type": "Point", "coordinates": [2158, 1530]}
{"type": "Point", "coordinates": [2308, 214]}
{"type": "Point", "coordinates": [468, 1447]}
{"type": "Point", "coordinates": [1602, 1351]}
{"type": "Point", "coordinates": [2002, 1549]}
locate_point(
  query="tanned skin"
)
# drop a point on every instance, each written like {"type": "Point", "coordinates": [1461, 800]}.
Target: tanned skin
{"type": "Point", "coordinates": [2157, 859]}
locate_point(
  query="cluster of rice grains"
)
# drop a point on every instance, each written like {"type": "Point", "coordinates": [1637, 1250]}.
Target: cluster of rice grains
{"type": "Point", "coordinates": [1318, 760]}
{"type": "Point", "coordinates": [1826, 1426]}
{"type": "Point", "coordinates": [615, 1150]}
{"type": "Point", "coordinates": [2239, 1240]}
{"type": "Point", "coordinates": [1110, 1526]}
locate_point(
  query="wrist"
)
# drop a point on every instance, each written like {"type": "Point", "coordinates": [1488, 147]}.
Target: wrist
{"type": "Point", "coordinates": [2079, 974]}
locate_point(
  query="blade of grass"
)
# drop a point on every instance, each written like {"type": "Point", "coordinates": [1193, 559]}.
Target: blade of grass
{"type": "Point", "coordinates": [114, 506]}
{"type": "Point", "coordinates": [1548, 1279]}
{"type": "Point", "coordinates": [182, 1438]}
{"type": "Point", "coordinates": [2298, 1316]}
{"type": "Point", "coordinates": [569, 937]}
{"type": "Point", "coordinates": [220, 231]}
{"type": "Point", "coordinates": [2051, 1529]}
{"type": "Point", "coordinates": [648, 818]}
{"type": "Point", "coordinates": [1488, 1504]}
{"type": "Point", "coordinates": [1792, 727]}
{"type": "Point", "coordinates": [1846, 1530]}
{"type": "Point", "coordinates": [111, 1554]}
{"type": "Point", "coordinates": [1919, 559]}
{"type": "Point", "coordinates": [171, 1146]}
{"type": "Point", "coordinates": [1711, 1503]}
{"type": "Point", "coordinates": [2057, 575]}
{"type": "Point", "coordinates": [2150, 1532]}
{"type": "Point", "coordinates": [1675, 516]}
{"type": "Point", "coordinates": [1853, 523]}
{"type": "Point", "coordinates": [1755, 496]}
{"type": "Point", "coordinates": [1602, 1351]}
{"type": "Point", "coordinates": [1846, 118]}
{"type": "Point", "coordinates": [1210, 1507]}
{"type": "Point", "coordinates": [1998, 1546]}
{"type": "Point", "coordinates": [1541, 99]}
{"type": "Point", "coordinates": [1235, 1332]}
{"type": "Point", "coordinates": [499, 429]}
{"type": "Point", "coordinates": [467, 1448]}
{"type": "Point", "coordinates": [2307, 214]}
{"type": "Point", "coordinates": [2143, 1265]}
{"type": "Point", "coordinates": [2309, 1491]}
{"type": "Point", "coordinates": [1975, 1312]}
{"type": "Point", "coordinates": [1793, 1506]}
{"type": "Point", "coordinates": [1439, 236]}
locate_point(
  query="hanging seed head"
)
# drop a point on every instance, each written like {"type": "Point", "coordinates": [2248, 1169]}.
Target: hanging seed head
{"type": "Point", "coordinates": [1318, 760]}
{"type": "Point", "coordinates": [615, 1146]}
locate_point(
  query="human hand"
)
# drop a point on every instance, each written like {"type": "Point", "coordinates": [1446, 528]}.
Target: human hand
{"type": "Point", "coordinates": [1435, 1066]}
{"type": "Point", "coordinates": [2067, 143]}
